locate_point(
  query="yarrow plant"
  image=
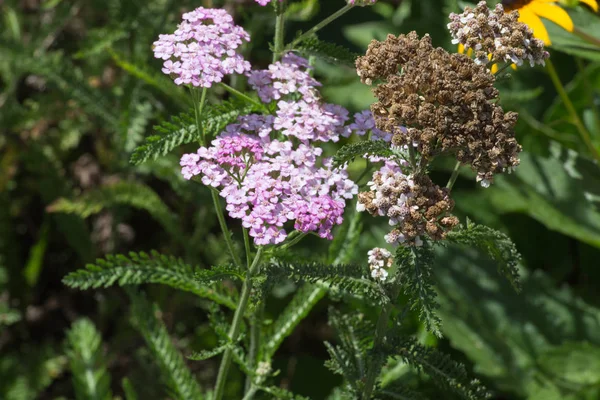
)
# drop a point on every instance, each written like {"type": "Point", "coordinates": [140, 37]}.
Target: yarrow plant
{"type": "Point", "coordinates": [266, 155]}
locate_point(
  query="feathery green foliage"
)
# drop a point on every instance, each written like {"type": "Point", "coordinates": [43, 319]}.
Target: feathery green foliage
{"type": "Point", "coordinates": [133, 194]}
{"type": "Point", "coordinates": [177, 377]}
{"type": "Point", "coordinates": [128, 390]}
{"type": "Point", "coordinates": [415, 274]}
{"type": "Point", "coordinates": [206, 354]}
{"type": "Point", "coordinates": [496, 244]}
{"type": "Point", "coordinates": [141, 268]}
{"type": "Point", "coordinates": [297, 309]}
{"type": "Point", "coordinates": [326, 51]}
{"type": "Point", "coordinates": [362, 149]}
{"type": "Point", "coordinates": [182, 129]}
{"type": "Point", "coordinates": [219, 273]}
{"type": "Point", "coordinates": [445, 372]}
{"type": "Point", "coordinates": [347, 279]}
{"type": "Point", "coordinates": [350, 357]}
{"type": "Point", "coordinates": [84, 349]}
{"type": "Point", "coordinates": [281, 394]}
{"type": "Point", "coordinates": [398, 391]}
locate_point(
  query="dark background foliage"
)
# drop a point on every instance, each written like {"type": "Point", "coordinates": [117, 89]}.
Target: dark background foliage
{"type": "Point", "coordinates": [79, 91]}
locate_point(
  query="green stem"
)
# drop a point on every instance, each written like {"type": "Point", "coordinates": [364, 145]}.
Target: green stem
{"type": "Point", "coordinates": [380, 331]}
{"type": "Point", "coordinates": [254, 344]}
{"type": "Point", "coordinates": [321, 24]}
{"type": "Point", "coordinates": [247, 247]}
{"type": "Point", "coordinates": [236, 325]}
{"type": "Point", "coordinates": [293, 241]}
{"type": "Point", "coordinates": [453, 177]}
{"type": "Point", "coordinates": [585, 135]}
{"type": "Point", "coordinates": [250, 393]}
{"type": "Point", "coordinates": [241, 95]}
{"type": "Point", "coordinates": [279, 32]}
{"type": "Point", "coordinates": [226, 233]}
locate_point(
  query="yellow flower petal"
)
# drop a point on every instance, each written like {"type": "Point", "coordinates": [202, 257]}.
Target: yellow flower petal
{"type": "Point", "coordinates": [535, 23]}
{"type": "Point", "coordinates": [554, 13]}
{"type": "Point", "coordinates": [592, 3]}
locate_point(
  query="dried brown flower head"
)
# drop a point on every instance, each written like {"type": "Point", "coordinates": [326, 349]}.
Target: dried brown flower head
{"type": "Point", "coordinates": [414, 205]}
{"type": "Point", "coordinates": [446, 102]}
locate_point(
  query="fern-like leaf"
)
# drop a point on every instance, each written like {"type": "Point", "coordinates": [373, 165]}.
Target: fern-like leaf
{"type": "Point", "coordinates": [151, 77]}
{"type": "Point", "coordinates": [496, 244]}
{"type": "Point", "coordinates": [398, 391]}
{"type": "Point", "coordinates": [182, 129]}
{"type": "Point", "coordinates": [445, 372]}
{"type": "Point", "coordinates": [368, 147]}
{"type": "Point", "coordinates": [171, 134]}
{"type": "Point", "coordinates": [128, 389]}
{"type": "Point", "coordinates": [348, 279]}
{"type": "Point", "coordinates": [326, 51]}
{"type": "Point", "coordinates": [141, 268]}
{"type": "Point", "coordinates": [179, 380]}
{"type": "Point", "coordinates": [298, 308]}
{"type": "Point", "coordinates": [206, 354]}
{"type": "Point", "coordinates": [84, 349]}
{"type": "Point", "coordinates": [281, 394]}
{"type": "Point", "coordinates": [415, 273]}
{"type": "Point", "coordinates": [132, 194]}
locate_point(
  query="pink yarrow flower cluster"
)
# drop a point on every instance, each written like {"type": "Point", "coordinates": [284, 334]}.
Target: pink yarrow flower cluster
{"type": "Point", "coordinates": [203, 48]}
{"type": "Point", "coordinates": [266, 166]}
{"type": "Point", "coordinates": [267, 182]}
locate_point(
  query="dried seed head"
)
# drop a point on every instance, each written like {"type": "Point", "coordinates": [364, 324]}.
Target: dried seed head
{"type": "Point", "coordinates": [446, 101]}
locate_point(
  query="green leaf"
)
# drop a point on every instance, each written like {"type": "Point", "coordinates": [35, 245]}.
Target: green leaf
{"type": "Point", "coordinates": [496, 244]}
{"type": "Point", "coordinates": [182, 129]}
{"type": "Point", "coordinates": [128, 390]}
{"type": "Point", "coordinates": [298, 308]}
{"type": "Point", "coordinates": [206, 354]}
{"type": "Point", "coordinates": [557, 190]}
{"type": "Point", "coordinates": [302, 10]}
{"type": "Point", "coordinates": [361, 149]}
{"type": "Point", "coordinates": [141, 268]}
{"type": "Point", "coordinates": [445, 372]}
{"type": "Point", "coordinates": [152, 78]}
{"type": "Point", "coordinates": [508, 337]}
{"type": "Point", "coordinates": [576, 362]}
{"type": "Point", "coordinates": [415, 274]}
{"type": "Point", "coordinates": [84, 349]}
{"type": "Point", "coordinates": [132, 194]}
{"type": "Point", "coordinates": [329, 52]}
{"type": "Point", "coordinates": [174, 372]}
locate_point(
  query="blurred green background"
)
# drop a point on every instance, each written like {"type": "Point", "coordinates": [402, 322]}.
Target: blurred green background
{"type": "Point", "coordinates": [79, 91]}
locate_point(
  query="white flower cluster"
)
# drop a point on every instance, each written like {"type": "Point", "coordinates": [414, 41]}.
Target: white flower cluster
{"type": "Point", "coordinates": [496, 36]}
{"type": "Point", "coordinates": [379, 260]}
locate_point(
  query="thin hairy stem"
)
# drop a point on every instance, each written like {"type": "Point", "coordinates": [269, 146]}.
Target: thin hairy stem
{"type": "Point", "coordinates": [234, 330]}
{"type": "Point", "coordinates": [198, 108]}
{"type": "Point", "coordinates": [250, 393]}
{"type": "Point", "coordinates": [254, 344]}
{"type": "Point", "coordinates": [453, 177]}
{"type": "Point", "coordinates": [321, 24]}
{"type": "Point", "coordinates": [380, 332]}
{"type": "Point", "coordinates": [585, 135]}
{"type": "Point", "coordinates": [241, 95]}
{"type": "Point", "coordinates": [279, 38]}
